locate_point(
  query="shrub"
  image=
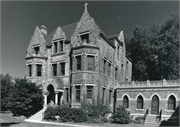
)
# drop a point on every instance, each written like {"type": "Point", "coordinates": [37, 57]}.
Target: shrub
{"type": "Point", "coordinates": [6, 86]}
{"type": "Point", "coordinates": [95, 111]}
{"type": "Point", "coordinates": [170, 122]}
{"type": "Point", "coordinates": [23, 98]}
{"type": "Point", "coordinates": [121, 116]}
{"type": "Point", "coordinates": [66, 114]}
{"type": "Point", "coordinates": [50, 114]}
{"type": "Point", "coordinates": [139, 120]}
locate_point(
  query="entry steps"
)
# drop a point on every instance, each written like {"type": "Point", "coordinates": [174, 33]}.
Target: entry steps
{"type": "Point", "coordinates": [37, 116]}
{"type": "Point", "coordinates": [152, 120]}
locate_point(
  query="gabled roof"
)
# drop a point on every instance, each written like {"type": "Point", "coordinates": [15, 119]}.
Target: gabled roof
{"type": "Point", "coordinates": [68, 29]}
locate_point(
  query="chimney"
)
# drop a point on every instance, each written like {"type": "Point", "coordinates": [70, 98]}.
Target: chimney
{"type": "Point", "coordinates": [43, 30]}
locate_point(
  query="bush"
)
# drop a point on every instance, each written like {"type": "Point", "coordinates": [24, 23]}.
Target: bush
{"type": "Point", "coordinates": [6, 86]}
{"type": "Point", "coordinates": [20, 96]}
{"type": "Point", "coordinates": [139, 120]}
{"type": "Point", "coordinates": [66, 114]}
{"type": "Point", "coordinates": [170, 122]}
{"type": "Point", "coordinates": [50, 114]}
{"type": "Point", "coordinates": [121, 116]}
{"type": "Point", "coordinates": [95, 111]}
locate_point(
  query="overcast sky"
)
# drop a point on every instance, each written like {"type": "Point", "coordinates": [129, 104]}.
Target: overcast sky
{"type": "Point", "coordinates": [19, 19]}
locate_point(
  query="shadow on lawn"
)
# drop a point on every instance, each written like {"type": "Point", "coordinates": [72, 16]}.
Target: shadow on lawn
{"type": "Point", "coordinates": [8, 124]}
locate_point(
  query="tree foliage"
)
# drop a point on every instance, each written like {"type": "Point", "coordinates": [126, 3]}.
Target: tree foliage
{"type": "Point", "coordinates": [6, 86]}
{"type": "Point", "coordinates": [154, 52]}
{"type": "Point", "coordinates": [121, 116]}
{"type": "Point", "coordinates": [21, 96]}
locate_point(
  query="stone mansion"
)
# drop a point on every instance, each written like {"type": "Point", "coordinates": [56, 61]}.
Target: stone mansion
{"type": "Point", "coordinates": [77, 63]}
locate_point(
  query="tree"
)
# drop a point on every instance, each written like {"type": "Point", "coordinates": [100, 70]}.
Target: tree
{"type": "Point", "coordinates": [25, 98]}
{"type": "Point", "coordinates": [154, 52]}
{"type": "Point", "coordinates": [121, 116]}
{"type": "Point", "coordinates": [6, 86]}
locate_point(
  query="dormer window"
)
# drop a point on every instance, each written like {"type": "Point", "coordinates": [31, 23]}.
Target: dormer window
{"type": "Point", "coordinates": [84, 36]}
{"type": "Point", "coordinates": [36, 49]}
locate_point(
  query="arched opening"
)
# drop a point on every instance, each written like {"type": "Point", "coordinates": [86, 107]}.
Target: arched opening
{"type": "Point", "coordinates": [171, 103]}
{"type": "Point", "coordinates": [155, 105]}
{"type": "Point", "coordinates": [51, 95]}
{"type": "Point", "coordinates": [125, 102]}
{"type": "Point", "coordinates": [140, 102]}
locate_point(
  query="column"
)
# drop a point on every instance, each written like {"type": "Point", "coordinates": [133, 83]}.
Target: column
{"type": "Point", "coordinates": [56, 97]}
{"type": "Point", "coordinates": [45, 97]}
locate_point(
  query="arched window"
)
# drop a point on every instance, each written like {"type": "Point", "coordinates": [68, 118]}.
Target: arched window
{"type": "Point", "coordinates": [139, 102]}
{"type": "Point", "coordinates": [171, 103]}
{"type": "Point", "coordinates": [126, 102]}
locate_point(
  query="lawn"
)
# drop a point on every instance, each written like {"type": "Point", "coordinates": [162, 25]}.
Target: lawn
{"type": "Point", "coordinates": [7, 120]}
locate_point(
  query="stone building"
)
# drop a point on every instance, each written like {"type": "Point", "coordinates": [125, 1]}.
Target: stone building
{"type": "Point", "coordinates": [77, 63]}
{"type": "Point", "coordinates": [153, 98]}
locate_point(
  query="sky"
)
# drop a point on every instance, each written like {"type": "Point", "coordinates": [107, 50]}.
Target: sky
{"type": "Point", "coordinates": [19, 19]}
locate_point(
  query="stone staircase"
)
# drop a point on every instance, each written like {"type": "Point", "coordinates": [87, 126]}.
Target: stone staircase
{"type": "Point", "coordinates": [37, 116]}
{"type": "Point", "coordinates": [152, 121]}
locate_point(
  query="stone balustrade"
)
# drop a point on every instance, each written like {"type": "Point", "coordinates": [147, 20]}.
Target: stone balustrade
{"type": "Point", "coordinates": [159, 83]}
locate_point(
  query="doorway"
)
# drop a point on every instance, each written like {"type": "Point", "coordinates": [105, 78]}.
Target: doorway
{"type": "Point", "coordinates": [51, 95]}
{"type": "Point", "coordinates": [155, 105]}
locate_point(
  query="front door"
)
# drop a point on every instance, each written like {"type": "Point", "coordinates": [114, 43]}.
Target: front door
{"type": "Point", "coordinates": [155, 105]}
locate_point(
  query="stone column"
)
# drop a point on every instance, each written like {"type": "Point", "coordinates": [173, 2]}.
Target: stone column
{"type": "Point", "coordinates": [56, 97]}
{"type": "Point", "coordinates": [45, 97]}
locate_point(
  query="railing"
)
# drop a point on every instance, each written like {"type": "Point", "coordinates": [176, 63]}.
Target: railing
{"type": "Point", "coordinates": [160, 115]}
{"type": "Point", "coordinates": [160, 83]}
{"type": "Point", "coordinates": [146, 113]}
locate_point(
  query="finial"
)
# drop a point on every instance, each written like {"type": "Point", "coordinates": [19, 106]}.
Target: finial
{"type": "Point", "coordinates": [85, 5]}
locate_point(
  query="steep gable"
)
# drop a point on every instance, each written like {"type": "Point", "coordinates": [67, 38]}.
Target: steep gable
{"type": "Point", "coordinates": [85, 25]}
{"type": "Point", "coordinates": [59, 34]}
{"type": "Point", "coordinates": [37, 40]}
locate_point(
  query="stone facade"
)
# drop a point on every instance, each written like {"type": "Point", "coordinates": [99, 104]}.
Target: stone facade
{"type": "Point", "coordinates": [147, 90]}
{"type": "Point", "coordinates": [77, 63]}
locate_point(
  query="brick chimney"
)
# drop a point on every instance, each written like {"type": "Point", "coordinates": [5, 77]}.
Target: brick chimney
{"type": "Point", "coordinates": [43, 30]}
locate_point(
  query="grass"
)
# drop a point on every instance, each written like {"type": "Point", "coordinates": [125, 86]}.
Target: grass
{"type": "Point", "coordinates": [7, 120]}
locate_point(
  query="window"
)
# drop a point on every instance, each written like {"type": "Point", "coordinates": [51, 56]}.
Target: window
{"type": "Point", "coordinates": [122, 70]}
{"type": "Point", "coordinates": [85, 38]}
{"type": "Point", "coordinates": [54, 69]}
{"type": "Point", "coordinates": [67, 94]}
{"type": "Point", "coordinates": [61, 46]}
{"type": "Point", "coordinates": [30, 67]}
{"type": "Point", "coordinates": [103, 95]}
{"type": "Point", "coordinates": [171, 103]}
{"type": "Point", "coordinates": [90, 60]}
{"type": "Point", "coordinates": [118, 52]}
{"type": "Point", "coordinates": [110, 94]}
{"type": "Point", "coordinates": [104, 67]}
{"type": "Point", "coordinates": [78, 90]}
{"type": "Point", "coordinates": [62, 68]}
{"type": "Point", "coordinates": [89, 92]}
{"type": "Point", "coordinates": [55, 47]}
{"type": "Point", "coordinates": [126, 102]}
{"type": "Point", "coordinates": [78, 63]}
{"type": "Point", "coordinates": [36, 49]}
{"type": "Point", "coordinates": [116, 73]}
{"type": "Point", "coordinates": [109, 69]}
{"type": "Point", "coordinates": [139, 102]}
{"type": "Point", "coordinates": [38, 66]}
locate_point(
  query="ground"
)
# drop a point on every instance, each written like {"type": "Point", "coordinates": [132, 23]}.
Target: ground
{"type": "Point", "coordinates": [7, 120]}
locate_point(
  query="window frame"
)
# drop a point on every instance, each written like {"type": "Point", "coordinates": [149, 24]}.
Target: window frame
{"type": "Point", "coordinates": [30, 70]}
{"type": "Point", "coordinates": [90, 62]}
{"type": "Point", "coordinates": [61, 46]}
{"type": "Point", "coordinates": [78, 98]}
{"type": "Point", "coordinates": [62, 68]}
{"type": "Point", "coordinates": [35, 49]}
{"type": "Point", "coordinates": [103, 95]}
{"type": "Point", "coordinates": [110, 94]}
{"type": "Point", "coordinates": [54, 69]}
{"type": "Point", "coordinates": [171, 103]}
{"type": "Point", "coordinates": [126, 102]}
{"type": "Point", "coordinates": [55, 47]}
{"type": "Point", "coordinates": [39, 71]}
{"type": "Point", "coordinates": [104, 66]}
{"type": "Point", "coordinates": [90, 89]}
{"type": "Point", "coordinates": [78, 63]}
{"type": "Point", "coordinates": [140, 102]}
